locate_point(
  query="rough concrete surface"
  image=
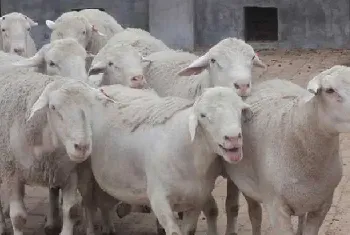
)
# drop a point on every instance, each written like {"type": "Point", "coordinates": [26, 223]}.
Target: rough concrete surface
{"type": "Point", "coordinates": [298, 66]}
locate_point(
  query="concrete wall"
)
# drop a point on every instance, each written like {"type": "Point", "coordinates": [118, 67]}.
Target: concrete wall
{"type": "Point", "coordinates": [172, 21]}
{"type": "Point", "coordinates": [129, 13]}
{"type": "Point", "coordinates": [302, 23]}
{"type": "Point", "coordinates": [186, 23]}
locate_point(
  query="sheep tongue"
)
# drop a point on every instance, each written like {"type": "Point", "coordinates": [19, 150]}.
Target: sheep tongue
{"type": "Point", "coordinates": [234, 156]}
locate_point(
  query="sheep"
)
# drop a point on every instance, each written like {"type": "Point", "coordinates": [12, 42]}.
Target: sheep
{"type": "Point", "coordinates": [146, 115]}
{"type": "Point", "coordinates": [38, 132]}
{"type": "Point", "coordinates": [74, 58]}
{"type": "Point", "coordinates": [142, 41]}
{"type": "Point", "coordinates": [92, 28]}
{"type": "Point", "coordinates": [64, 57]}
{"type": "Point", "coordinates": [15, 35]}
{"type": "Point", "coordinates": [121, 64]}
{"type": "Point", "coordinates": [228, 63]}
{"type": "Point", "coordinates": [294, 170]}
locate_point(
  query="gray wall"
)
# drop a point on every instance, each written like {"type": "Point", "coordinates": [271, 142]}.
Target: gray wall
{"type": "Point", "coordinates": [129, 13]}
{"type": "Point", "coordinates": [186, 23]}
{"type": "Point", "coordinates": [172, 21]}
{"type": "Point", "coordinates": [302, 23]}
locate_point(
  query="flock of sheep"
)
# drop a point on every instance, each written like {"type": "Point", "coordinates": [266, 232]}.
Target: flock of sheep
{"type": "Point", "coordinates": [120, 122]}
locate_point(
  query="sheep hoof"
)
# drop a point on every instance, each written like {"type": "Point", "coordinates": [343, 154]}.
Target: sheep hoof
{"type": "Point", "coordinates": [161, 231]}
{"type": "Point", "coordinates": [123, 210]}
{"type": "Point", "coordinates": [52, 230]}
{"type": "Point", "coordinates": [146, 209]}
{"type": "Point", "coordinates": [181, 215]}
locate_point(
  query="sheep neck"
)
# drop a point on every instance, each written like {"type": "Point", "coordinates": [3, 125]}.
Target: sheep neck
{"type": "Point", "coordinates": [200, 82]}
{"type": "Point", "coordinates": [314, 138]}
{"type": "Point", "coordinates": [203, 155]}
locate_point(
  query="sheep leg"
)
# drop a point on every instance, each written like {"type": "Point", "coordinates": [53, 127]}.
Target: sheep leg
{"type": "Point", "coordinates": [89, 208]}
{"type": "Point", "coordinates": [162, 210]}
{"type": "Point", "coordinates": [2, 221]}
{"type": "Point", "coordinates": [53, 225]}
{"type": "Point", "coordinates": [301, 224]}
{"type": "Point", "coordinates": [211, 213]}
{"type": "Point", "coordinates": [107, 220]}
{"type": "Point", "coordinates": [255, 215]}
{"type": "Point", "coordinates": [160, 229]}
{"type": "Point", "coordinates": [69, 196]}
{"type": "Point", "coordinates": [315, 219]}
{"type": "Point", "coordinates": [18, 212]}
{"type": "Point", "coordinates": [190, 219]}
{"type": "Point", "coordinates": [232, 207]}
{"type": "Point", "coordinates": [89, 215]}
{"type": "Point", "coordinates": [280, 218]}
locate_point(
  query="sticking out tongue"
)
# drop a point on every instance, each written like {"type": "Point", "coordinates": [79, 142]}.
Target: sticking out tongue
{"type": "Point", "coordinates": [233, 156]}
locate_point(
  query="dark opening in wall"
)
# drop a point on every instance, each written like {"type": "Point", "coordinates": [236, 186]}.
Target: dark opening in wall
{"type": "Point", "coordinates": [261, 23]}
{"type": "Point", "coordinates": [79, 9]}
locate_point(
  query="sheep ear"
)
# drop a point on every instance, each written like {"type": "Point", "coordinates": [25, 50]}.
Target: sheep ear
{"type": "Point", "coordinates": [34, 61]}
{"type": "Point", "coordinates": [257, 62]}
{"type": "Point", "coordinates": [31, 22]}
{"type": "Point", "coordinates": [41, 103]}
{"type": "Point", "coordinates": [314, 85]}
{"type": "Point", "coordinates": [50, 24]}
{"type": "Point", "coordinates": [146, 60]}
{"type": "Point", "coordinates": [192, 125]}
{"type": "Point", "coordinates": [196, 67]}
{"type": "Point", "coordinates": [97, 68]}
{"type": "Point", "coordinates": [247, 113]}
{"type": "Point", "coordinates": [101, 95]}
{"type": "Point", "coordinates": [94, 29]}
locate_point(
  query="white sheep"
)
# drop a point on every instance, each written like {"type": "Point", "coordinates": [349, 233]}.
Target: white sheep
{"type": "Point", "coordinates": [121, 64]}
{"type": "Point", "coordinates": [128, 126]}
{"type": "Point", "coordinates": [64, 57]}
{"type": "Point", "coordinates": [92, 28]}
{"type": "Point", "coordinates": [37, 134]}
{"type": "Point", "coordinates": [142, 40]}
{"type": "Point", "coordinates": [294, 170]}
{"type": "Point", "coordinates": [110, 65]}
{"type": "Point", "coordinates": [228, 63]}
{"type": "Point", "coordinates": [15, 35]}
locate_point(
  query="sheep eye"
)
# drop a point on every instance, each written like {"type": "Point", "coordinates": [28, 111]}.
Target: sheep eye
{"type": "Point", "coordinates": [253, 57]}
{"type": "Point", "coordinates": [213, 60]}
{"type": "Point", "coordinates": [52, 63]}
{"type": "Point", "coordinates": [84, 32]}
{"type": "Point", "coordinates": [203, 115]}
{"type": "Point", "coordinates": [330, 90]}
{"type": "Point", "coordinates": [110, 63]}
{"type": "Point", "coordinates": [3, 30]}
{"type": "Point", "coordinates": [53, 107]}
{"type": "Point", "coordinates": [28, 29]}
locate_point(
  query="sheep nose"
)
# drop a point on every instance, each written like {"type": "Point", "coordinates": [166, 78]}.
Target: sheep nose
{"type": "Point", "coordinates": [137, 78]}
{"type": "Point", "coordinates": [242, 87]}
{"type": "Point", "coordinates": [81, 147]}
{"type": "Point", "coordinates": [18, 50]}
{"type": "Point", "coordinates": [233, 138]}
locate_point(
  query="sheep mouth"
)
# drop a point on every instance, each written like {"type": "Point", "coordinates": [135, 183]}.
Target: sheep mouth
{"type": "Point", "coordinates": [229, 150]}
{"type": "Point", "coordinates": [231, 155]}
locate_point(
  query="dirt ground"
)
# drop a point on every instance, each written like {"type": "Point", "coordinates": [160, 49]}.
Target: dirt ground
{"type": "Point", "coordinates": [298, 66]}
